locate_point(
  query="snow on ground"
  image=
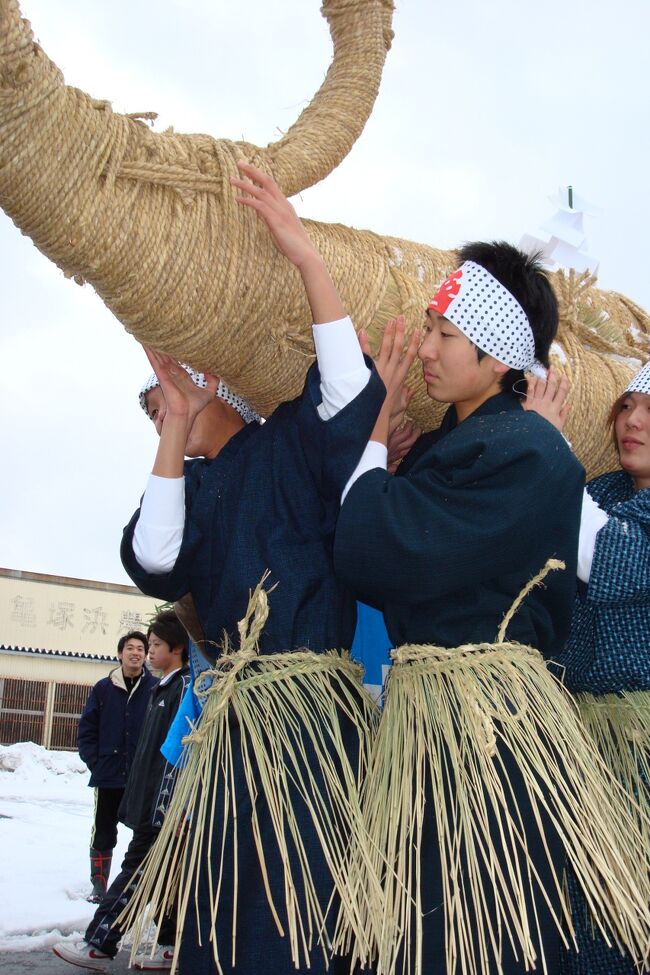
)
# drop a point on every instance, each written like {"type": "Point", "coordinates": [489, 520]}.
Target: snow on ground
{"type": "Point", "coordinates": [46, 811]}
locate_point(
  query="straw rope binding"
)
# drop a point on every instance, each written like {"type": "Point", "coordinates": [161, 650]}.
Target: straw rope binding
{"type": "Point", "coordinates": [265, 715]}
{"type": "Point", "coordinates": [453, 719]}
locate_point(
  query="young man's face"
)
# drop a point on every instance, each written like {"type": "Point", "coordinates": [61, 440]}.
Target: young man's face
{"type": "Point", "coordinates": [632, 427]}
{"type": "Point", "coordinates": [204, 433]}
{"type": "Point", "coordinates": [161, 656]}
{"type": "Point", "coordinates": [132, 657]}
{"type": "Point", "coordinates": [452, 372]}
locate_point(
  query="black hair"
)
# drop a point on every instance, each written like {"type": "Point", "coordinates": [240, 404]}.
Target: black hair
{"type": "Point", "coordinates": [167, 626]}
{"type": "Point", "coordinates": [133, 635]}
{"type": "Point", "coordinates": [524, 277]}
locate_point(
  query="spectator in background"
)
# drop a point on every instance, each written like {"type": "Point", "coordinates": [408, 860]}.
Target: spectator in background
{"type": "Point", "coordinates": [108, 735]}
{"type": "Point", "coordinates": [146, 797]}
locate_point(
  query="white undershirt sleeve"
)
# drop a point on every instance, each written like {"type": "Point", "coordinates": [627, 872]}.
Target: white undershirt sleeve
{"type": "Point", "coordinates": [374, 455]}
{"type": "Point", "coordinates": [592, 519]}
{"type": "Point", "coordinates": [159, 529]}
{"type": "Point", "coordinates": [343, 371]}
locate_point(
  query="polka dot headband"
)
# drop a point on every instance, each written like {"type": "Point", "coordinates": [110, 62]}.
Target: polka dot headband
{"type": "Point", "coordinates": [487, 314]}
{"type": "Point", "coordinates": [246, 412]}
{"type": "Point", "coordinates": [641, 382]}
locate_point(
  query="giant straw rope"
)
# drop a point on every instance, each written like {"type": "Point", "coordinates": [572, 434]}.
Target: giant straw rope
{"type": "Point", "coordinates": [150, 220]}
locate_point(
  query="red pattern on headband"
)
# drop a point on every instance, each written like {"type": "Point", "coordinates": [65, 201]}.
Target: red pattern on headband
{"type": "Point", "coordinates": [448, 290]}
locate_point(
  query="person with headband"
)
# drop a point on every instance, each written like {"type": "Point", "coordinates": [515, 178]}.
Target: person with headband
{"type": "Point", "coordinates": [444, 548]}
{"type": "Point", "coordinates": [261, 500]}
{"type": "Point", "coordinates": [606, 663]}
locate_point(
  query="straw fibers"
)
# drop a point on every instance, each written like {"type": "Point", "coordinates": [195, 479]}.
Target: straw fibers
{"type": "Point", "coordinates": [150, 221]}
{"type": "Point", "coordinates": [453, 720]}
{"type": "Point", "coordinates": [620, 726]}
{"type": "Point", "coordinates": [285, 707]}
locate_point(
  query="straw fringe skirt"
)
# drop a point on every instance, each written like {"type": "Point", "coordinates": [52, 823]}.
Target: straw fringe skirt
{"type": "Point", "coordinates": [619, 724]}
{"type": "Point", "coordinates": [481, 779]}
{"type": "Point", "coordinates": [266, 807]}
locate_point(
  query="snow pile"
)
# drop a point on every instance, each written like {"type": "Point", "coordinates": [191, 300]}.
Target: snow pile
{"type": "Point", "coordinates": [46, 811]}
{"type": "Point", "coordinates": [41, 774]}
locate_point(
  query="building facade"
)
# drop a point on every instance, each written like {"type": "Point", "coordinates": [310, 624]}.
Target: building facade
{"type": "Point", "coordinates": [58, 637]}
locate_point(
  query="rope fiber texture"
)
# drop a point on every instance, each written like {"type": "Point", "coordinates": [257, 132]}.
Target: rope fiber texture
{"type": "Point", "coordinates": [150, 221]}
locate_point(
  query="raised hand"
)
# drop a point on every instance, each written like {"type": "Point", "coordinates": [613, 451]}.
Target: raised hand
{"type": "Point", "coordinates": [183, 398]}
{"type": "Point", "coordinates": [265, 197]}
{"type": "Point", "coordinates": [393, 361]}
{"type": "Point", "coordinates": [548, 397]}
{"type": "Point", "coordinates": [400, 442]}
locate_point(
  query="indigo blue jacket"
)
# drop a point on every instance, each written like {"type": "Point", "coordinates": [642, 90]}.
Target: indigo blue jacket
{"type": "Point", "coordinates": [609, 646]}
{"type": "Point", "coordinates": [110, 726]}
{"type": "Point", "coordinates": [479, 506]}
{"type": "Point", "coordinates": [269, 501]}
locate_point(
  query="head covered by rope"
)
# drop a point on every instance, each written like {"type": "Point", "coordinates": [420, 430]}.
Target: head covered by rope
{"type": "Point", "coordinates": [246, 412]}
{"type": "Point", "coordinates": [487, 314]}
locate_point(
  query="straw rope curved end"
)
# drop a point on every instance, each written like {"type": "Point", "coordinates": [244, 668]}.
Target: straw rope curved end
{"type": "Point", "coordinates": [550, 566]}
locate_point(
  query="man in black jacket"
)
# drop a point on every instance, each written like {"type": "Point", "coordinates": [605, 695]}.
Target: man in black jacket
{"type": "Point", "coordinates": [108, 734]}
{"type": "Point", "coordinates": [148, 790]}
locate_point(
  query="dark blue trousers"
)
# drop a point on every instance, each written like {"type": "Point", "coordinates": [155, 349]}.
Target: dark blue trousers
{"type": "Point", "coordinates": [102, 931]}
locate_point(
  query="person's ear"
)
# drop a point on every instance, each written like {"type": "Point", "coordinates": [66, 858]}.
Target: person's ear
{"type": "Point", "coordinates": [499, 368]}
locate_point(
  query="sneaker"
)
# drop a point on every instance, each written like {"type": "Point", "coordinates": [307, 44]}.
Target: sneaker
{"type": "Point", "coordinates": [160, 961]}
{"type": "Point", "coordinates": [83, 955]}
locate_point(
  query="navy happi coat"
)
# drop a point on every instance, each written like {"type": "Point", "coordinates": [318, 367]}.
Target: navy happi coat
{"type": "Point", "coordinates": [269, 500]}
{"type": "Point", "coordinates": [478, 508]}
{"type": "Point", "coordinates": [443, 550]}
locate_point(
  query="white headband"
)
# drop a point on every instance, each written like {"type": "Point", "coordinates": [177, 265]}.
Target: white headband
{"type": "Point", "coordinates": [487, 314]}
{"type": "Point", "coordinates": [246, 412]}
{"type": "Point", "coordinates": [641, 382]}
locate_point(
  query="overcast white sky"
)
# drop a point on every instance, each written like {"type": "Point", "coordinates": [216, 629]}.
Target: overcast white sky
{"type": "Point", "coordinates": [483, 111]}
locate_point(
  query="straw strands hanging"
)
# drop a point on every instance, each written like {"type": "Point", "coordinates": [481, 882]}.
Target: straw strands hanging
{"type": "Point", "coordinates": [455, 724]}
{"type": "Point", "coordinates": [620, 727]}
{"type": "Point", "coordinates": [271, 736]}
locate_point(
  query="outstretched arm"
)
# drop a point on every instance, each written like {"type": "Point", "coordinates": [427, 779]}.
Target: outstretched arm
{"type": "Point", "coordinates": [292, 240]}
{"type": "Point", "coordinates": [343, 371]}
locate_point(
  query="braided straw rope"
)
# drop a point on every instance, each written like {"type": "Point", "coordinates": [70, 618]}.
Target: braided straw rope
{"type": "Point", "coordinates": [451, 721]}
{"type": "Point", "coordinates": [283, 706]}
{"type": "Point", "coordinates": [150, 220]}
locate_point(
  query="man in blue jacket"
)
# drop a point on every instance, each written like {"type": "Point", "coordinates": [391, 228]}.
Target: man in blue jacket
{"type": "Point", "coordinates": [146, 799]}
{"type": "Point", "coordinates": [108, 735]}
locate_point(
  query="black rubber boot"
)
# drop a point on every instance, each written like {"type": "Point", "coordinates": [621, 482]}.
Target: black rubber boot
{"type": "Point", "coordinates": [100, 868]}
